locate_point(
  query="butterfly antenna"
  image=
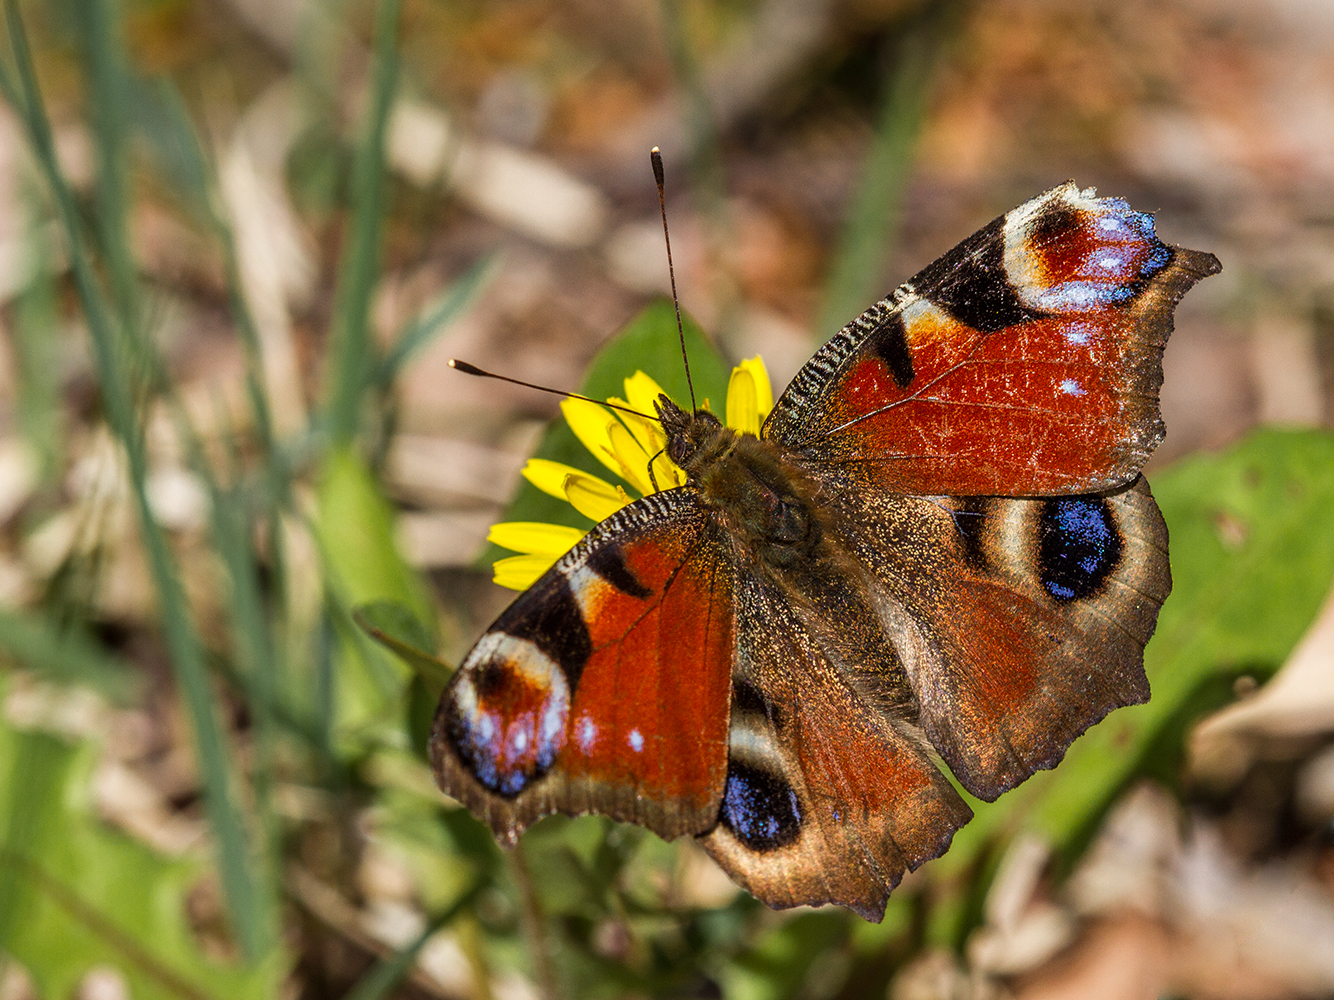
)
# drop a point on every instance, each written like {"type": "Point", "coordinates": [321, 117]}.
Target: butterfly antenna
{"type": "Point", "coordinates": [468, 369]}
{"type": "Point", "coordinates": [656, 156]}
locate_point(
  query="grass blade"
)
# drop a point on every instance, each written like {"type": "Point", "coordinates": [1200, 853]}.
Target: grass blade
{"type": "Point", "coordinates": [352, 347]}
{"type": "Point", "coordinates": [105, 80]}
{"type": "Point", "coordinates": [249, 921]}
{"type": "Point", "coordinates": [66, 656]}
{"type": "Point", "coordinates": [418, 333]}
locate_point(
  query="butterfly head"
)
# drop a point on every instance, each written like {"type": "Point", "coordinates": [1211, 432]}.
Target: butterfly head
{"type": "Point", "coordinates": [693, 439]}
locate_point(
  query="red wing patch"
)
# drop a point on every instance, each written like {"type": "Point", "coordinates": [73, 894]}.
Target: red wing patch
{"type": "Point", "coordinates": [1026, 361]}
{"type": "Point", "coordinates": [605, 686]}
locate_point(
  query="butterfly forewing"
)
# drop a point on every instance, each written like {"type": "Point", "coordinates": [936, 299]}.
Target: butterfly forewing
{"type": "Point", "coordinates": [1026, 361]}
{"type": "Point", "coordinates": [604, 687]}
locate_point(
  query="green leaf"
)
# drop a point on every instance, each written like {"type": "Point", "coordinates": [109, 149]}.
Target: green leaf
{"type": "Point", "coordinates": [356, 532]}
{"type": "Point", "coordinates": [74, 895]}
{"type": "Point", "coordinates": [650, 344]}
{"type": "Point", "coordinates": [362, 564]}
{"type": "Point", "coordinates": [1252, 547]}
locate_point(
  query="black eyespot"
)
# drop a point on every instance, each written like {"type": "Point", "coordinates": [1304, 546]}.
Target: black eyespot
{"type": "Point", "coordinates": [1078, 548]}
{"type": "Point", "coordinates": [759, 808]}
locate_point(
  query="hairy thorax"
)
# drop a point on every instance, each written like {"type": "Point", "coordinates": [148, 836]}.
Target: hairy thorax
{"type": "Point", "coordinates": [765, 500]}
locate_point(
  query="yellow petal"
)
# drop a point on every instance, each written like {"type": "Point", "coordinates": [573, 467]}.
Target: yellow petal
{"type": "Point", "coordinates": [521, 572]}
{"type": "Point", "coordinates": [548, 476]}
{"type": "Point", "coordinates": [742, 410]}
{"type": "Point", "coordinates": [594, 497]}
{"type": "Point", "coordinates": [642, 392]}
{"type": "Point", "coordinates": [645, 429]}
{"type": "Point", "coordinates": [535, 537]}
{"type": "Point", "coordinates": [764, 391]}
{"type": "Point", "coordinates": [589, 421]}
{"type": "Point", "coordinates": [630, 454]}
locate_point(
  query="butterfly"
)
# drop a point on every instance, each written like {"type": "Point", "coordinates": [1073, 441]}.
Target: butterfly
{"type": "Point", "coordinates": [939, 548]}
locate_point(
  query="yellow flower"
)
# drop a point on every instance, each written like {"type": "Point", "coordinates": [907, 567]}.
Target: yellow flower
{"type": "Point", "coordinates": [625, 444]}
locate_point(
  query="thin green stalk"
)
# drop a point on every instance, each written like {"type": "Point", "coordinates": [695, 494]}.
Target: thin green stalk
{"type": "Point", "coordinates": [105, 78]}
{"type": "Point", "coordinates": [873, 219]}
{"type": "Point", "coordinates": [66, 654]}
{"type": "Point", "coordinates": [184, 154]}
{"type": "Point", "coordinates": [37, 359]}
{"type": "Point", "coordinates": [353, 352]}
{"type": "Point", "coordinates": [251, 925]}
{"type": "Point", "coordinates": [534, 924]}
{"type": "Point", "coordinates": [230, 511]}
{"type": "Point", "coordinates": [418, 333]}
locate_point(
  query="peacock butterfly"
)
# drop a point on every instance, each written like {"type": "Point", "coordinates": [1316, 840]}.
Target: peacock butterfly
{"type": "Point", "coordinates": [940, 544]}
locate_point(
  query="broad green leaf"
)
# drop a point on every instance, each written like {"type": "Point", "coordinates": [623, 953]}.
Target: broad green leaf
{"type": "Point", "coordinates": [363, 565]}
{"type": "Point", "coordinates": [650, 343]}
{"type": "Point", "coordinates": [74, 895]}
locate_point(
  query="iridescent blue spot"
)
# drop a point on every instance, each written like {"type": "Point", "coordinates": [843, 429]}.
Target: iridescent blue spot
{"type": "Point", "coordinates": [1071, 388]}
{"type": "Point", "coordinates": [1142, 223]}
{"type": "Point", "coordinates": [636, 739]}
{"type": "Point", "coordinates": [1078, 548]}
{"type": "Point", "coordinates": [759, 808]}
{"type": "Point", "coordinates": [1159, 256]}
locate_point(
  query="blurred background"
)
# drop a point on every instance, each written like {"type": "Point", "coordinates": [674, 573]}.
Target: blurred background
{"type": "Point", "coordinates": [240, 239]}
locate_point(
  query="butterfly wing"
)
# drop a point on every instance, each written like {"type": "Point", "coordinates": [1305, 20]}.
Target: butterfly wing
{"type": "Point", "coordinates": [830, 797]}
{"type": "Point", "coordinates": [1026, 361]}
{"type": "Point", "coordinates": [1019, 622]}
{"type": "Point", "coordinates": [604, 687]}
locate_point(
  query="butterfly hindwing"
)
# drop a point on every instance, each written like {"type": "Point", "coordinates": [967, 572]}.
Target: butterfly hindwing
{"type": "Point", "coordinates": [1019, 622]}
{"type": "Point", "coordinates": [829, 796]}
{"type": "Point", "coordinates": [604, 687]}
{"type": "Point", "coordinates": [1025, 361]}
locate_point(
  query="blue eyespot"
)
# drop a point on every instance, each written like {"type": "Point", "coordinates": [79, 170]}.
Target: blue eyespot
{"type": "Point", "coordinates": [1078, 547]}
{"type": "Point", "coordinates": [759, 808]}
